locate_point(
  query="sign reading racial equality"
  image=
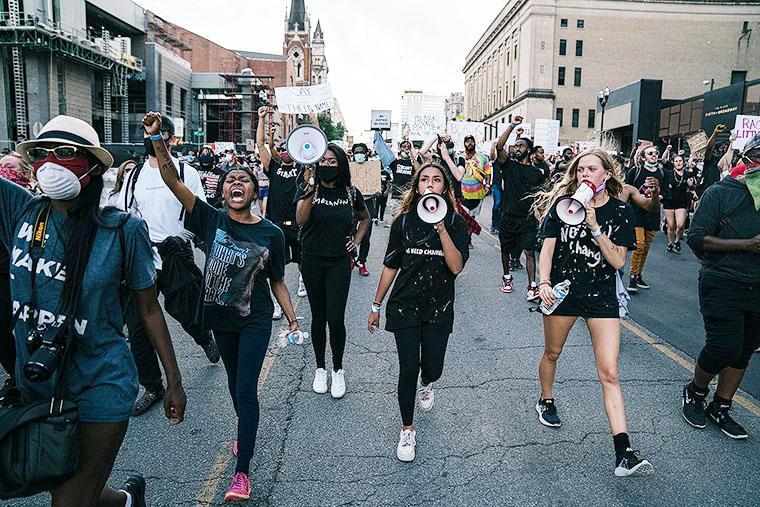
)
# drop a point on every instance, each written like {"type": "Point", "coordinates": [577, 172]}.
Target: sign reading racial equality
{"type": "Point", "coordinates": [304, 99]}
{"type": "Point", "coordinates": [458, 130]}
{"type": "Point", "coordinates": [746, 128]}
{"type": "Point", "coordinates": [366, 177]}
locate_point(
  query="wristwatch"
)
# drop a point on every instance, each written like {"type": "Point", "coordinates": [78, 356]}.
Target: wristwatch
{"type": "Point", "coordinates": [597, 232]}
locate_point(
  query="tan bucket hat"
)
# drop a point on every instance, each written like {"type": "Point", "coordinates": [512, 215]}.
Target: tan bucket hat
{"type": "Point", "coordinates": [68, 130]}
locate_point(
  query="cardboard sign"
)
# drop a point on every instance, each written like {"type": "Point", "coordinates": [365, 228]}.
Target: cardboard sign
{"type": "Point", "coordinates": [546, 134]}
{"type": "Point", "coordinates": [461, 129]}
{"type": "Point", "coordinates": [220, 146]}
{"type": "Point", "coordinates": [304, 99]}
{"type": "Point", "coordinates": [698, 142]}
{"type": "Point", "coordinates": [381, 120]}
{"type": "Point", "coordinates": [423, 126]}
{"type": "Point", "coordinates": [179, 127]}
{"type": "Point", "coordinates": [746, 128]}
{"type": "Point", "coordinates": [250, 145]}
{"type": "Point", "coordinates": [366, 177]}
{"type": "Point", "coordinates": [643, 143]}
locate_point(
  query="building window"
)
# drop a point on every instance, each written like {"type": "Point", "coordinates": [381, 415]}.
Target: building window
{"type": "Point", "coordinates": [169, 98]}
{"type": "Point", "coordinates": [560, 114]}
{"type": "Point", "coordinates": [562, 47]}
{"type": "Point", "coordinates": [515, 51]}
{"type": "Point", "coordinates": [576, 117]}
{"type": "Point", "coordinates": [738, 76]}
{"type": "Point", "coordinates": [579, 48]}
{"type": "Point", "coordinates": [563, 23]}
{"type": "Point", "coordinates": [561, 76]}
{"type": "Point", "coordinates": [514, 87]}
{"type": "Point", "coordinates": [577, 78]}
{"type": "Point", "coordinates": [182, 102]}
{"type": "Point", "coordinates": [507, 57]}
{"type": "Point", "coordinates": [61, 71]}
{"type": "Point", "coordinates": [580, 23]}
{"type": "Point", "coordinates": [592, 118]}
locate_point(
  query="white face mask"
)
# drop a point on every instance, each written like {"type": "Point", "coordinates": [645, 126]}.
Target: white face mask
{"type": "Point", "coordinates": [59, 183]}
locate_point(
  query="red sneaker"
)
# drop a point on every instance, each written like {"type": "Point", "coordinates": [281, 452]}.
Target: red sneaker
{"type": "Point", "coordinates": [532, 293]}
{"type": "Point", "coordinates": [240, 489]}
{"type": "Point", "coordinates": [506, 285]}
{"type": "Point", "coordinates": [363, 270]}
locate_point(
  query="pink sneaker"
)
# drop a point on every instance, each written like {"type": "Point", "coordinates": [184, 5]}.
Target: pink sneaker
{"type": "Point", "coordinates": [240, 489]}
{"type": "Point", "coordinates": [234, 449]}
{"type": "Point", "coordinates": [506, 284]}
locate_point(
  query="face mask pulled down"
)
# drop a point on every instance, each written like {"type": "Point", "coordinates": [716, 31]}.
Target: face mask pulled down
{"type": "Point", "coordinates": [61, 183]}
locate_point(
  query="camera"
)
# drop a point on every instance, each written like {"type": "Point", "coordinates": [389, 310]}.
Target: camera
{"type": "Point", "coordinates": [45, 353]}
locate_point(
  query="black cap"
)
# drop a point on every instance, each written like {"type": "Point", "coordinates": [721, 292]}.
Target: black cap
{"type": "Point", "coordinates": [469, 137]}
{"type": "Point", "coordinates": [167, 125]}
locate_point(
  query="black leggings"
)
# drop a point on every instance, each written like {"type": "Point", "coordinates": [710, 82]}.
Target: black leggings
{"type": "Point", "coordinates": [243, 355]}
{"type": "Point", "coordinates": [7, 343]}
{"type": "Point", "coordinates": [419, 348]}
{"type": "Point", "coordinates": [327, 280]}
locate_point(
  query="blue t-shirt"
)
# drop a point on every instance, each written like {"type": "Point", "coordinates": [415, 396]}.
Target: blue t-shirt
{"type": "Point", "coordinates": [239, 260]}
{"type": "Point", "coordinates": [101, 376]}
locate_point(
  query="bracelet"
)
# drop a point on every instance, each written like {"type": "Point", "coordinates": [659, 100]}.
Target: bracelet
{"type": "Point", "coordinates": [545, 282]}
{"type": "Point", "coordinates": [597, 232]}
{"type": "Point", "coordinates": [375, 303]}
{"type": "Point", "coordinates": [375, 309]}
{"type": "Point", "coordinates": [156, 137]}
{"type": "Point", "coordinates": [513, 125]}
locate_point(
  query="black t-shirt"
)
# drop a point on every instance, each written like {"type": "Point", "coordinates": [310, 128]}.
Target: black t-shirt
{"type": "Point", "coordinates": [283, 184]}
{"type": "Point", "coordinates": [5, 261]}
{"type": "Point", "coordinates": [331, 222]}
{"type": "Point", "coordinates": [210, 177]}
{"type": "Point", "coordinates": [239, 260]}
{"type": "Point", "coordinates": [519, 182]}
{"type": "Point", "coordinates": [544, 168]}
{"type": "Point", "coordinates": [495, 172]}
{"type": "Point", "coordinates": [424, 288]}
{"type": "Point", "coordinates": [578, 258]}
{"type": "Point", "coordinates": [675, 188]}
{"type": "Point", "coordinates": [402, 170]}
{"type": "Point", "coordinates": [637, 177]}
{"type": "Point", "coordinates": [710, 174]}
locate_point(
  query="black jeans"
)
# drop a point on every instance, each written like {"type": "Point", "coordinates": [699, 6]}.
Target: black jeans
{"type": "Point", "coordinates": [327, 280]}
{"type": "Point", "coordinates": [371, 204]}
{"type": "Point", "coordinates": [182, 304]}
{"type": "Point", "coordinates": [243, 355]}
{"type": "Point", "coordinates": [731, 312]}
{"type": "Point", "coordinates": [7, 343]}
{"type": "Point", "coordinates": [421, 348]}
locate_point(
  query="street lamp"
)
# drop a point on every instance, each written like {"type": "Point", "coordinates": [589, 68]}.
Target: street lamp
{"type": "Point", "coordinates": [710, 82]}
{"type": "Point", "coordinates": [603, 97]}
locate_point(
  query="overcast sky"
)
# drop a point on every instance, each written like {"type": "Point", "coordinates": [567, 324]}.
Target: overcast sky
{"type": "Point", "coordinates": [375, 49]}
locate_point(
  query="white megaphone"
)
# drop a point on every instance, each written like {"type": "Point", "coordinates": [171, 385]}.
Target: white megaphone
{"type": "Point", "coordinates": [306, 144]}
{"type": "Point", "coordinates": [432, 208]}
{"type": "Point", "coordinates": [572, 210]}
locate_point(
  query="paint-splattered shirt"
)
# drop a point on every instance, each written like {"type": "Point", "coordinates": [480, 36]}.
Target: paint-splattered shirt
{"type": "Point", "coordinates": [578, 258]}
{"type": "Point", "coordinates": [424, 287]}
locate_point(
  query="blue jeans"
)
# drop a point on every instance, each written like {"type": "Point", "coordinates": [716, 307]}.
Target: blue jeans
{"type": "Point", "coordinates": [496, 211]}
{"type": "Point", "coordinates": [243, 356]}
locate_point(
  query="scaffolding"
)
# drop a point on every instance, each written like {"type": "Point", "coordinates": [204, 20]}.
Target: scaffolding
{"type": "Point", "coordinates": [25, 32]}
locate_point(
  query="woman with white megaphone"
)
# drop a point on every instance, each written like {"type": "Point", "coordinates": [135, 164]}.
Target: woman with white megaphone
{"type": "Point", "coordinates": [587, 255]}
{"type": "Point", "coordinates": [428, 247]}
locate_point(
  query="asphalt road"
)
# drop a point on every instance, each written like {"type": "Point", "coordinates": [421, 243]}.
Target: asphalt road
{"type": "Point", "coordinates": [480, 445]}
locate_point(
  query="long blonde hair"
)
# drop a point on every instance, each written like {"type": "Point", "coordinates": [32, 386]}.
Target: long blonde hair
{"type": "Point", "coordinates": [569, 183]}
{"type": "Point", "coordinates": [120, 174]}
{"type": "Point", "coordinates": [409, 199]}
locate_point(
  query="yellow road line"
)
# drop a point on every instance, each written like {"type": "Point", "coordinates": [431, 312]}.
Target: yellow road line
{"type": "Point", "coordinates": [222, 462]}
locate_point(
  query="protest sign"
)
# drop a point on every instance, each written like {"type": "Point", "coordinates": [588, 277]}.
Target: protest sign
{"type": "Point", "coordinates": [250, 145]}
{"type": "Point", "coordinates": [458, 130]}
{"type": "Point", "coordinates": [423, 126]}
{"type": "Point", "coordinates": [697, 142]}
{"type": "Point", "coordinates": [221, 146]}
{"type": "Point", "coordinates": [546, 134]}
{"type": "Point", "coordinates": [381, 120]}
{"type": "Point", "coordinates": [366, 177]}
{"type": "Point", "coordinates": [304, 99]}
{"type": "Point", "coordinates": [746, 128]}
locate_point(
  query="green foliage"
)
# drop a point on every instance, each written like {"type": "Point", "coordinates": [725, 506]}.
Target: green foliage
{"type": "Point", "coordinates": [333, 132]}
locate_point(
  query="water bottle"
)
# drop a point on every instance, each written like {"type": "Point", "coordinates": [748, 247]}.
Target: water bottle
{"type": "Point", "coordinates": [559, 291]}
{"type": "Point", "coordinates": [291, 337]}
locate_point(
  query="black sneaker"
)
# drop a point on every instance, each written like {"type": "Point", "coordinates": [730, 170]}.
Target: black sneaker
{"type": "Point", "coordinates": [519, 265]}
{"type": "Point", "coordinates": [547, 413]}
{"type": "Point", "coordinates": [669, 249]}
{"type": "Point", "coordinates": [677, 247]}
{"type": "Point", "coordinates": [147, 400]}
{"type": "Point", "coordinates": [211, 350]}
{"type": "Point", "coordinates": [718, 414]}
{"type": "Point", "coordinates": [135, 486]}
{"type": "Point", "coordinates": [632, 287]}
{"type": "Point", "coordinates": [640, 283]}
{"type": "Point", "coordinates": [630, 463]}
{"type": "Point", "coordinates": [693, 408]}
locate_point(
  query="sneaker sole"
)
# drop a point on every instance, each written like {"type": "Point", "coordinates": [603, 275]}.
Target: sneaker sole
{"type": "Point", "coordinates": [234, 497]}
{"type": "Point", "coordinates": [642, 287]}
{"type": "Point", "coordinates": [735, 437]}
{"type": "Point", "coordinates": [693, 425]}
{"type": "Point", "coordinates": [405, 459]}
{"type": "Point", "coordinates": [337, 397]}
{"type": "Point", "coordinates": [544, 421]}
{"type": "Point", "coordinates": [318, 392]}
{"type": "Point", "coordinates": [643, 469]}
{"type": "Point", "coordinates": [505, 291]}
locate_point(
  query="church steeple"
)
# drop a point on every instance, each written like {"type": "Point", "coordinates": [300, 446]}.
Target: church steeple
{"type": "Point", "coordinates": [318, 35]}
{"type": "Point", "coordinates": [297, 19]}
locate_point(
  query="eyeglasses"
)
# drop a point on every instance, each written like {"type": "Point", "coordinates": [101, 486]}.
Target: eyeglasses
{"type": "Point", "coordinates": [60, 152]}
{"type": "Point", "coordinates": [652, 153]}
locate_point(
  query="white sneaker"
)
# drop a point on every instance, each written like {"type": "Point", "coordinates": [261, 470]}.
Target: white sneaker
{"type": "Point", "coordinates": [426, 397]}
{"type": "Point", "coordinates": [320, 381]}
{"type": "Point", "coordinates": [406, 443]}
{"type": "Point", "coordinates": [301, 287]}
{"type": "Point", "coordinates": [277, 313]}
{"type": "Point", "coordinates": [338, 387]}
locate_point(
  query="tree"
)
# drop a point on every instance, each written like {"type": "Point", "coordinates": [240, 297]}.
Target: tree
{"type": "Point", "coordinates": [332, 131]}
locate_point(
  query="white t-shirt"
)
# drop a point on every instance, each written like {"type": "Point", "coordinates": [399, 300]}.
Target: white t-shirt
{"type": "Point", "coordinates": [156, 204]}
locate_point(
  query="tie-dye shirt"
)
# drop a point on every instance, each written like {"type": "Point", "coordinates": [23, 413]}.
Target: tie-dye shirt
{"type": "Point", "coordinates": [477, 170]}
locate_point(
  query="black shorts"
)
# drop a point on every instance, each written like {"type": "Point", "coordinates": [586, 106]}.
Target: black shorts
{"type": "Point", "coordinates": [292, 243]}
{"type": "Point", "coordinates": [518, 233]}
{"type": "Point", "coordinates": [675, 204]}
{"type": "Point", "coordinates": [588, 308]}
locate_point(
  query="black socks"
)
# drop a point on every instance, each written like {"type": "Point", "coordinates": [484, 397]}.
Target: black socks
{"type": "Point", "coordinates": [699, 391]}
{"type": "Point", "coordinates": [621, 443]}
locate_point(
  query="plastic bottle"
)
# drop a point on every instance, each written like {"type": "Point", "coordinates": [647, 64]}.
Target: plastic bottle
{"type": "Point", "coordinates": [292, 338]}
{"type": "Point", "coordinates": [559, 291]}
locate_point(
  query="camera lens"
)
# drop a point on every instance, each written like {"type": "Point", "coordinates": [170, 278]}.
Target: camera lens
{"type": "Point", "coordinates": [43, 363]}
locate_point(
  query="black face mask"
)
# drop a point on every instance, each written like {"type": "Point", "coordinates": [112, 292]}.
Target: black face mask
{"type": "Point", "coordinates": [205, 160]}
{"type": "Point", "coordinates": [328, 174]}
{"type": "Point", "coordinates": [149, 150]}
